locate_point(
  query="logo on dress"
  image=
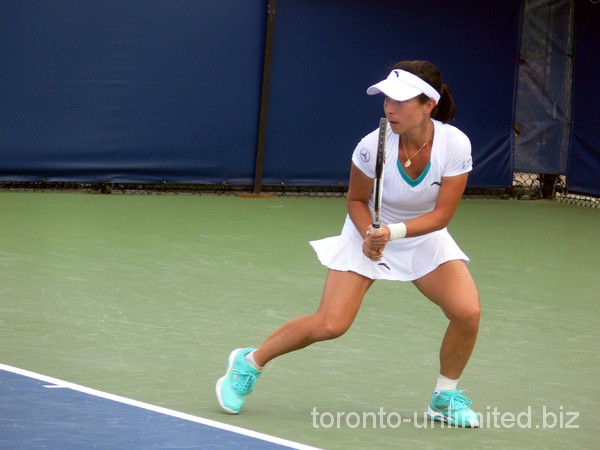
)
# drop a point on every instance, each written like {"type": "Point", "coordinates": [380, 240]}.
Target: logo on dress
{"type": "Point", "coordinates": [365, 155]}
{"type": "Point", "coordinates": [468, 163]}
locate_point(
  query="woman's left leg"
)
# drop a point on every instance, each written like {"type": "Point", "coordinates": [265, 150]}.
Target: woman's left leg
{"type": "Point", "coordinates": [452, 288]}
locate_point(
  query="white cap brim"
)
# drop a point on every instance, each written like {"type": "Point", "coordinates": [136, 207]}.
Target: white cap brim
{"type": "Point", "coordinates": [402, 85]}
{"type": "Point", "coordinates": [394, 90]}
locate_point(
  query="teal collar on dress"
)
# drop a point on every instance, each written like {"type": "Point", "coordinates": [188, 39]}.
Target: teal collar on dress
{"type": "Point", "coordinates": [408, 179]}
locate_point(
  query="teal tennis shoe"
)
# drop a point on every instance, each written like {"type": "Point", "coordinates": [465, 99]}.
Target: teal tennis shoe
{"type": "Point", "coordinates": [238, 381]}
{"type": "Point", "coordinates": [452, 408]}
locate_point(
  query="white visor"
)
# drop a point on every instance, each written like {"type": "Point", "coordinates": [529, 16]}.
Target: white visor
{"type": "Point", "coordinates": [402, 85]}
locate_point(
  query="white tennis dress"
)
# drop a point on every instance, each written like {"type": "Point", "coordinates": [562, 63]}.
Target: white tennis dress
{"type": "Point", "coordinates": [403, 199]}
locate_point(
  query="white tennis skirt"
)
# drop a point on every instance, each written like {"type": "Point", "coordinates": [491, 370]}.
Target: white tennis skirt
{"type": "Point", "coordinates": [403, 259]}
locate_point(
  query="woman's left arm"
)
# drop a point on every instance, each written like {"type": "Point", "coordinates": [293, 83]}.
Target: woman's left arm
{"type": "Point", "coordinates": [451, 191]}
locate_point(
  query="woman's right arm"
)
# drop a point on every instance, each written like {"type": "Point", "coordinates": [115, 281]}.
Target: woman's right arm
{"type": "Point", "coordinates": [357, 199]}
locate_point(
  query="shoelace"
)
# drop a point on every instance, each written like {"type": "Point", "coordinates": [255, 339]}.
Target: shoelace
{"type": "Point", "coordinates": [457, 401]}
{"type": "Point", "coordinates": [243, 382]}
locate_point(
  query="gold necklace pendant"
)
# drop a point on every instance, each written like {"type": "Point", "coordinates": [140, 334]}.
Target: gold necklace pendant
{"type": "Point", "coordinates": [408, 160]}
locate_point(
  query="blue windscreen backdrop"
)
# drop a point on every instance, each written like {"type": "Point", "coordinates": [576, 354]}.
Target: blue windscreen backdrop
{"type": "Point", "coordinates": [130, 90]}
{"type": "Point", "coordinates": [154, 91]}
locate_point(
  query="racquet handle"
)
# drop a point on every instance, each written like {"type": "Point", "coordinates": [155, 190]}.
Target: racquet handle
{"type": "Point", "coordinates": [376, 227]}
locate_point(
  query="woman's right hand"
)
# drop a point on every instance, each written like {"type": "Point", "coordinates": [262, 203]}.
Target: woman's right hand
{"type": "Point", "coordinates": [375, 242]}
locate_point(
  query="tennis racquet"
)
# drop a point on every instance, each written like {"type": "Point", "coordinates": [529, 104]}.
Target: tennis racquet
{"type": "Point", "coordinates": [378, 180]}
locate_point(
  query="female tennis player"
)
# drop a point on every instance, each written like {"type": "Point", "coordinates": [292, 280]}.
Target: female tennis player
{"type": "Point", "coordinates": [427, 162]}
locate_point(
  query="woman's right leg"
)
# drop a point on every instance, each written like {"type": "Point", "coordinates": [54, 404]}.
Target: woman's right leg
{"type": "Point", "coordinates": [342, 296]}
{"type": "Point", "coordinates": [340, 302]}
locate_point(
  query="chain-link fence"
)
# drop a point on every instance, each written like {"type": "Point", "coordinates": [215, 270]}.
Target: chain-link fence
{"type": "Point", "coordinates": [534, 185]}
{"type": "Point", "coordinates": [525, 186]}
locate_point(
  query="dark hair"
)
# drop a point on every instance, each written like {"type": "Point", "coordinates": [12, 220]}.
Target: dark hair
{"type": "Point", "coordinates": [445, 108]}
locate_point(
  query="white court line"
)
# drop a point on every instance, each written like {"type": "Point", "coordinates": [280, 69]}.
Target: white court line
{"type": "Point", "coordinates": [158, 409]}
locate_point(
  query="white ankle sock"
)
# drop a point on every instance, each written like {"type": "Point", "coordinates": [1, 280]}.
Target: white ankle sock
{"type": "Point", "coordinates": [445, 384]}
{"type": "Point", "coordinates": [250, 358]}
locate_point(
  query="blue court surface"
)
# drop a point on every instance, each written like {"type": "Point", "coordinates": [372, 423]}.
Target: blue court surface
{"type": "Point", "coordinates": [38, 412]}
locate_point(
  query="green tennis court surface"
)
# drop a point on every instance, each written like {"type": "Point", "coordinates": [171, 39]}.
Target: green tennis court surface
{"type": "Point", "coordinates": [145, 296]}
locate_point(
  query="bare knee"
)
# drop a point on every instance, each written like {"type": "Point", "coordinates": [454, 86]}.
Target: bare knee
{"type": "Point", "coordinates": [468, 317]}
{"type": "Point", "coordinates": [329, 328]}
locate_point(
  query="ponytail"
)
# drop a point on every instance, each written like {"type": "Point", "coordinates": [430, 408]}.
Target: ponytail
{"type": "Point", "coordinates": [445, 109]}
